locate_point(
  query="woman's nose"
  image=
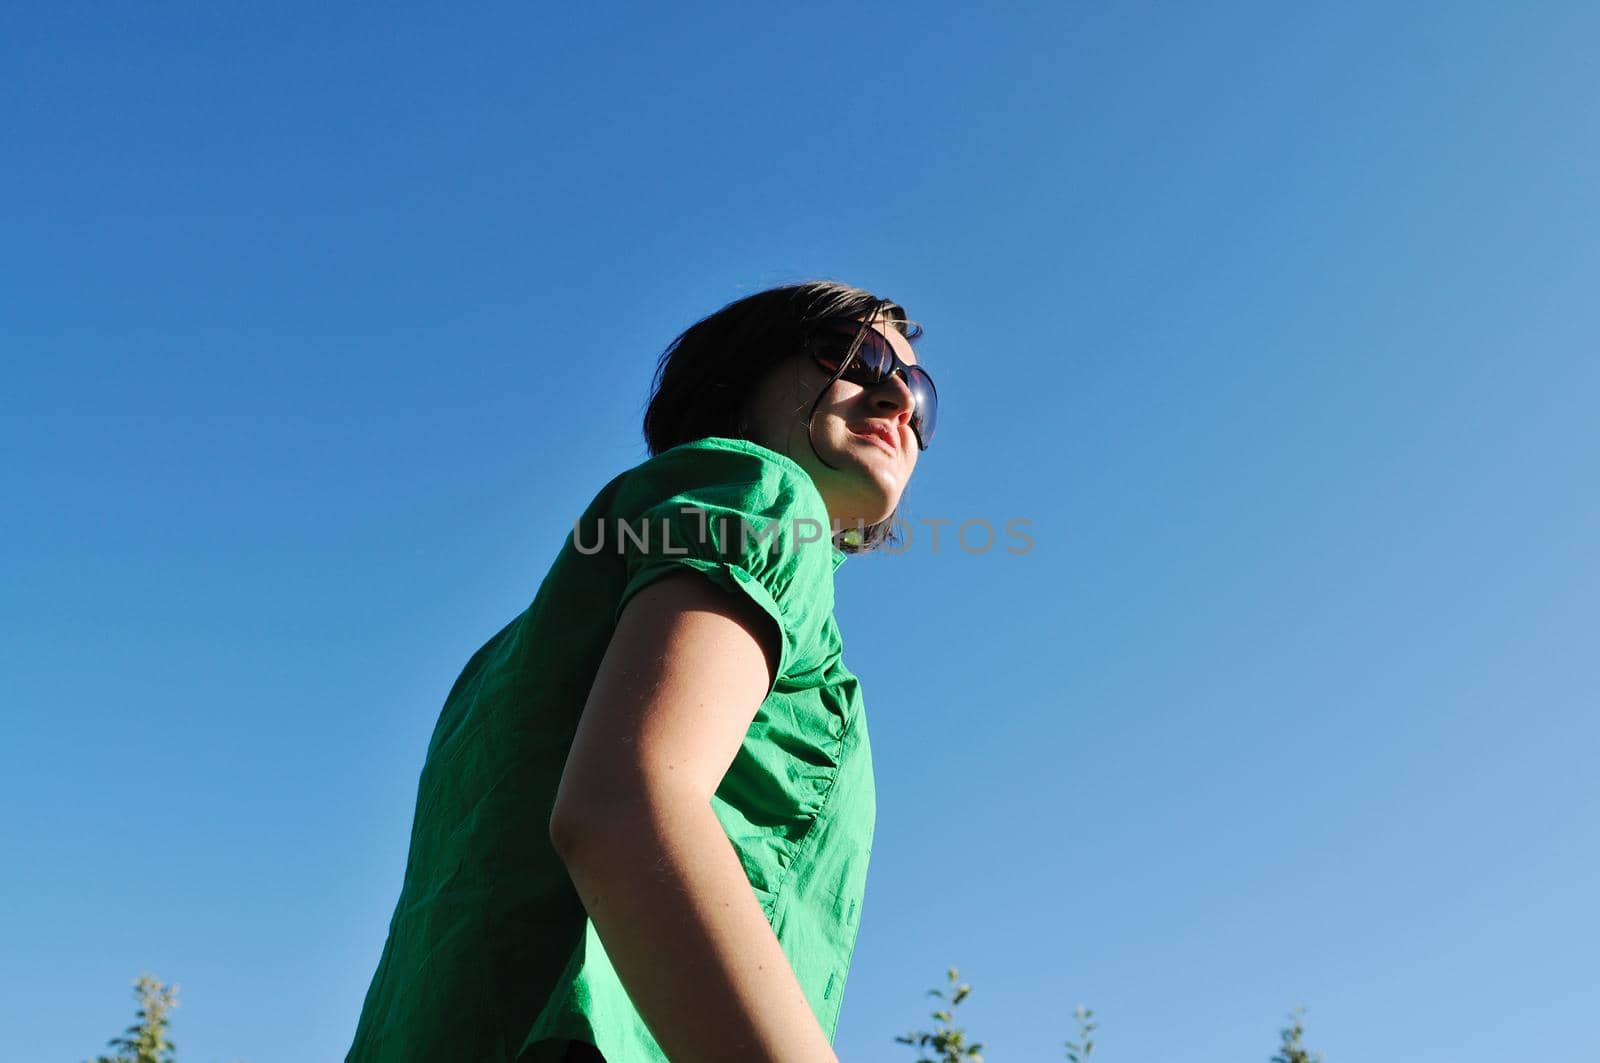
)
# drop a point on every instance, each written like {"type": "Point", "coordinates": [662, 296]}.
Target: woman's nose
{"type": "Point", "coordinates": [893, 391]}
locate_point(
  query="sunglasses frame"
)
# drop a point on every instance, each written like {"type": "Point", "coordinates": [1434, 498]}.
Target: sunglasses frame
{"type": "Point", "coordinates": [864, 374]}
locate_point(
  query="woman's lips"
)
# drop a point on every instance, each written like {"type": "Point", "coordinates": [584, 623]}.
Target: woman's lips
{"type": "Point", "coordinates": [877, 436]}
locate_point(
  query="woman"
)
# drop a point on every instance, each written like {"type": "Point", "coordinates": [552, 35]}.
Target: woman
{"type": "Point", "coordinates": [643, 825]}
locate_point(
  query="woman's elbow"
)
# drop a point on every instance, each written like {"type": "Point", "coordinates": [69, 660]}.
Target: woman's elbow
{"type": "Point", "coordinates": [563, 830]}
{"type": "Point", "coordinates": [580, 823]}
{"type": "Point", "coordinates": [575, 822]}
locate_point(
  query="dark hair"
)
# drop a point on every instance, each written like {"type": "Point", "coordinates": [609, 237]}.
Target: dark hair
{"type": "Point", "coordinates": [707, 375]}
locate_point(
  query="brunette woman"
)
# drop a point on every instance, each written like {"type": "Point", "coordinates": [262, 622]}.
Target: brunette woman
{"type": "Point", "coordinates": [643, 825]}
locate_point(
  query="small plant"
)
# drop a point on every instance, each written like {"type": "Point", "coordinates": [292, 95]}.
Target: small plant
{"type": "Point", "coordinates": [1293, 1050]}
{"type": "Point", "coordinates": [947, 1041]}
{"type": "Point", "coordinates": [1080, 1050]}
{"type": "Point", "coordinates": [146, 1041]}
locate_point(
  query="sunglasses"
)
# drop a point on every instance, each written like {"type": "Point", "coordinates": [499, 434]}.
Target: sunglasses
{"type": "Point", "coordinates": [868, 359]}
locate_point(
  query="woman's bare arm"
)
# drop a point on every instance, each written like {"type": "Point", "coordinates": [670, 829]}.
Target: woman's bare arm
{"type": "Point", "coordinates": [686, 669]}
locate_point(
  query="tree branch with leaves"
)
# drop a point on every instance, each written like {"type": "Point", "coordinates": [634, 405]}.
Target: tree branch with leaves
{"type": "Point", "coordinates": [146, 1041]}
{"type": "Point", "coordinates": [946, 1040]}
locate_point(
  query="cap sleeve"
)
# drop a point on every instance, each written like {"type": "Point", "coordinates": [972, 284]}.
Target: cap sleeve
{"type": "Point", "coordinates": [749, 519]}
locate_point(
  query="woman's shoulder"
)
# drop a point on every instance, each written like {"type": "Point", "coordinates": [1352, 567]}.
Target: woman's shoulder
{"type": "Point", "coordinates": [750, 518]}
{"type": "Point", "coordinates": [733, 473]}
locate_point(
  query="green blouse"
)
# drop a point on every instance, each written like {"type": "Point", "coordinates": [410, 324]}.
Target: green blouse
{"type": "Point", "coordinates": [490, 954]}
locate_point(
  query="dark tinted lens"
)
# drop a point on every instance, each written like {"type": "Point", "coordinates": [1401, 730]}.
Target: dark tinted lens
{"type": "Point", "coordinates": [926, 413]}
{"type": "Point", "coordinates": [875, 357]}
{"type": "Point", "coordinates": [831, 345]}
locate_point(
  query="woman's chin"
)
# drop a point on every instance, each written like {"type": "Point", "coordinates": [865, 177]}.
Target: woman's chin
{"type": "Point", "coordinates": [873, 510]}
{"type": "Point", "coordinates": [862, 486]}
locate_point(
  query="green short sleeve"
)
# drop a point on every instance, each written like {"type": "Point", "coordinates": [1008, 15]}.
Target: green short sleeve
{"type": "Point", "coordinates": [746, 517]}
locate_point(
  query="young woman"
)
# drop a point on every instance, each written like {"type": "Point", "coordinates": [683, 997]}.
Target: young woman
{"type": "Point", "coordinates": [643, 825]}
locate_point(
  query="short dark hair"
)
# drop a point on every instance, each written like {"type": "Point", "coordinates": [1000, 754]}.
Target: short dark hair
{"type": "Point", "coordinates": [706, 376]}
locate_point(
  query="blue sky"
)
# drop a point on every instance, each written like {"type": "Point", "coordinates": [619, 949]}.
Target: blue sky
{"type": "Point", "coordinates": [1275, 321]}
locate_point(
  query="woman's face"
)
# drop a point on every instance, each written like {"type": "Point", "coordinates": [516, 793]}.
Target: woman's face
{"type": "Point", "coordinates": [868, 474]}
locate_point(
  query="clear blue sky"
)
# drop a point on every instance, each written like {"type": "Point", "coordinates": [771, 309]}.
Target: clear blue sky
{"type": "Point", "coordinates": [1276, 321]}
